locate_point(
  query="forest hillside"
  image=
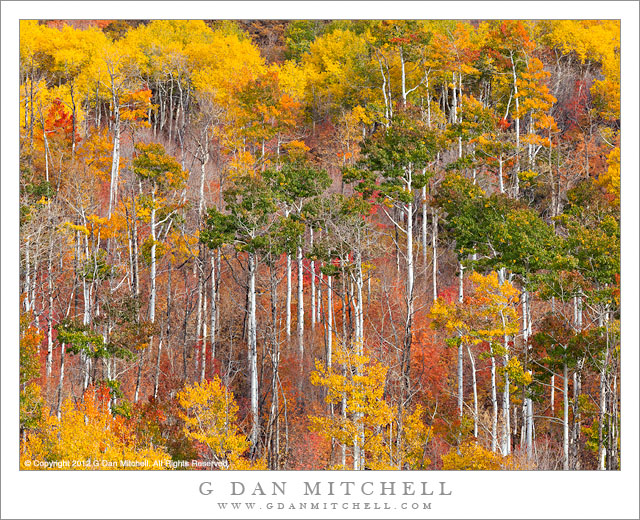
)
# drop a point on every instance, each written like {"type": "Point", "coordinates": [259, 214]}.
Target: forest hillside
{"type": "Point", "coordinates": [321, 244]}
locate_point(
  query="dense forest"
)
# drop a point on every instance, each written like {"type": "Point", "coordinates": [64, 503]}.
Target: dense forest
{"type": "Point", "coordinates": [320, 244]}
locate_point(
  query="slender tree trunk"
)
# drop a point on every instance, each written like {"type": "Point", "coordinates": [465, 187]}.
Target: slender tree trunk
{"type": "Point", "coordinates": [359, 306]}
{"type": "Point", "coordinates": [329, 321]}
{"type": "Point", "coordinates": [404, 78]}
{"type": "Point", "coordinates": [494, 405]}
{"type": "Point", "coordinates": [408, 333]}
{"type": "Point", "coordinates": [528, 402]}
{"type": "Point", "coordinates": [46, 151]}
{"type": "Point", "coordinates": [203, 346]}
{"type": "Point", "coordinates": [199, 266]}
{"type": "Point", "coordinates": [313, 284]}
{"type": "Point", "coordinates": [426, 77]}
{"type": "Point", "coordinates": [434, 253]}
{"type": "Point", "coordinates": [516, 179]}
{"type": "Point", "coordinates": [300, 303]}
{"type": "Point", "coordinates": [529, 427]}
{"type": "Point", "coordinates": [63, 349]}
{"type": "Point", "coordinates": [50, 313]}
{"type": "Point", "coordinates": [288, 301]}
{"type": "Point", "coordinates": [115, 159]}
{"type": "Point", "coordinates": [152, 291]}
{"type": "Point", "coordinates": [614, 418]}
{"type": "Point", "coordinates": [475, 392]}
{"type": "Point", "coordinates": [156, 380]}
{"type": "Point", "coordinates": [424, 230]}
{"type": "Point", "coordinates": [27, 276]}
{"type": "Point", "coordinates": [460, 346]}
{"type": "Point", "coordinates": [602, 450]}
{"type": "Point", "coordinates": [214, 310]}
{"type": "Point", "coordinates": [565, 418]}
{"type": "Point", "coordinates": [253, 356]}
{"type": "Point", "coordinates": [454, 107]}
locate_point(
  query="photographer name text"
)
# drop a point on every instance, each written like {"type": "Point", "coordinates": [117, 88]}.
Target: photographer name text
{"type": "Point", "coordinates": [328, 488]}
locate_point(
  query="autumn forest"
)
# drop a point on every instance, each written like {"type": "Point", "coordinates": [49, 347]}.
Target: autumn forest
{"type": "Point", "coordinates": [320, 244]}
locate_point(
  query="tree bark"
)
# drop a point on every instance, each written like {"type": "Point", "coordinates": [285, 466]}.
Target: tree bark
{"type": "Point", "coordinates": [253, 356]}
{"type": "Point", "coordinates": [313, 284]}
{"type": "Point", "coordinates": [475, 392]}
{"type": "Point", "coordinates": [434, 249]}
{"type": "Point", "coordinates": [565, 418]}
{"type": "Point", "coordinates": [329, 321]}
{"type": "Point", "coordinates": [214, 310]}
{"type": "Point", "coordinates": [288, 300]}
{"type": "Point", "coordinates": [115, 159]}
{"type": "Point", "coordinates": [300, 303]}
{"type": "Point", "coordinates": [460, 346]}
{"type": "Point", "coordinates": [49, 361]}
{"type": "Point", "coordinates": [60, 379]}
{"type": "Point", "coordinates": [494, 405]}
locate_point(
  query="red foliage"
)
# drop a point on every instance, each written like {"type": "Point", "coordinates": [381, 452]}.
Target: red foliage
{"type": "Point", "coordinates": [432, 363]}
{"type": "Point", "coordinates": [503, 123]}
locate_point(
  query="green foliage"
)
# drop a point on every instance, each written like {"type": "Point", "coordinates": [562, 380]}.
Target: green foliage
{"type": "Point", "coordinates": [38, 190]}
{"type": "Point", "coordinates": [96, 267]}
{"type": "Point", "coordinates": [299, 35]}
{"type": "Point", "coordinates": [593, 234]}
{"type": "Point", "coordinates": [297, 181]}
{"type": "Point", "coordinates": [31, 402]}
{"type": "Point", "coordinates": [152, 163]}
{"type": "Point", "coordinates": [504, 232]}
{"type": "Point", "coordinates": [251, 206]}
{"type": "Point", "coordinates": [393, 160]}
{"type": "Point", "coordinates": [79, 338]}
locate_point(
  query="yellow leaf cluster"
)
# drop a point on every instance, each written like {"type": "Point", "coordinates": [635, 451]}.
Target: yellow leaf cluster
{"type": "Point", "coordinates": [488, 313]}
{"type": "Point", "coordinates": [360, 382]}
{"type": "Point", "coordinates": [610, 180]}
{"type": "Point", "coordinates": [472, 456]}
{"type": "Point", "coordinates": [210, 414]}
{"type": "Point", "coordinates": [89, 433]}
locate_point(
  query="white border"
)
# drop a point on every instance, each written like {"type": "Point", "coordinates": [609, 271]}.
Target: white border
{"type": "Point", "coordinates": [476, 495]}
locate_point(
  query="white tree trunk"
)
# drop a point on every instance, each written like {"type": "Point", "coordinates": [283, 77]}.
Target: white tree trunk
{"type": "Point", "coordinates": [203, 345]}
{"type": "Point", "coordinates": [50, 312]}
{"type": "Point", "coordinates": [529, 427]}
{"type": "Point", "coordinates": [516, 180]}
{"type": "Point", "coordinates": [63, 349]}
{"type": "Point", "coordinates": [313, 284]}
{"type": "Point", "coordinates": [424, 229]}
{"type": "Point", "coordinates": [359, 306]}
{"type": "Point", "coordinates": [602, 450]}
{"type": "Point", "coordinates": [475, 392]}
{"type": "Point", "coordinates": [152, 291]}
{"type": "Point", "coordinates": [253, 354]}
{"type": "Point", "coordinates": [152, 296]}
{"type": "Point", "coordinates": [27, 277]}
{"type": "Point", "coordinates": [404, 78]}
{"type": "Point", "coordinates": [214, 311]}
{"type": "Point", "coordinates": [460, 350]}
{"type": "Point", "coordinates": [115, 159]}
{"type": "Point", "coordinates": [329, 321]}
{"type": "Point", "coordinates": [565, 418]}
{"type": "Point", "coordinates": [434, 249]}
{"type": "Point", "coordinates": [300, 303]}
{"type": "Point", "coordinates": [288, 303]}
{"type": "Point", "coordinates": [410, 284]}
{"type": "Point", "coordinates": [494, 405]}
